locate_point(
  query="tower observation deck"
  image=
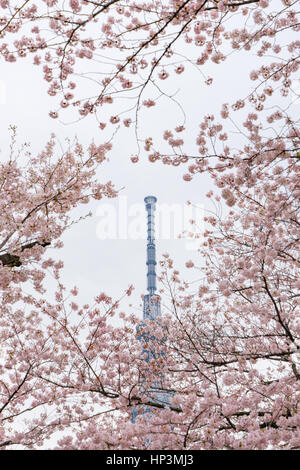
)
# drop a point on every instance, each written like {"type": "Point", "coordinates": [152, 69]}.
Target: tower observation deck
{"type": "Point", "coordinates": [156, 394]}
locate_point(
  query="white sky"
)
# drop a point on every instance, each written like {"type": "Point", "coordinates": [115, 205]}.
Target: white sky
{"type": "Point", "coordinates": [111, 265]}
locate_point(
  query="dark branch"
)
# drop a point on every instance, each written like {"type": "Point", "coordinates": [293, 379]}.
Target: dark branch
{"type": "Point", "coordinates": [14, 260]}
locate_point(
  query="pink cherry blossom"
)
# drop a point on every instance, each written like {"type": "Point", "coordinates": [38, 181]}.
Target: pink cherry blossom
{"type": "Point", "coordinates": [227, 344]}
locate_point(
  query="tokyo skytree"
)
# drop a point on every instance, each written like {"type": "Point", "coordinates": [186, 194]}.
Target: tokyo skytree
{"type": "Point", "coordinates": [151, 300]}
{"type": "Point", "coordinates": [155, 395]}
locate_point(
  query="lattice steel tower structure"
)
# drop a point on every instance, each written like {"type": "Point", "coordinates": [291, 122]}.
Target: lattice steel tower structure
{"type": "Point", "coordinates": [151, 305]}
{"type": "Point", "coordinates": [156, 394]}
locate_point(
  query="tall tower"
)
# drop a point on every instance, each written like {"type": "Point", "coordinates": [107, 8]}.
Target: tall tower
{"type": "Point", "coordinates": [151, 300]}
{"type": "Point", "coordinates": [155, 395]}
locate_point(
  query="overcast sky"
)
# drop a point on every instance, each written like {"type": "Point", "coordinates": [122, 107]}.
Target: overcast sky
{"type": "Point", "coordinates": [92, 264]}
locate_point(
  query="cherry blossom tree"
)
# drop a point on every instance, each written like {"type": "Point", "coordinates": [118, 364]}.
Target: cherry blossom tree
{"type": "Point", "coordinates": [228, 349]}
{"type": "Point", "coordinates": [131, 50]}
{"type": "Point", "coordinates": [231, 352]}
{"type": "Point", "coordinates": [139, 45]}
{"type": "Point", "coordinates": [37, 195]}
{"type": "Point", "coordinates": [230, 357]}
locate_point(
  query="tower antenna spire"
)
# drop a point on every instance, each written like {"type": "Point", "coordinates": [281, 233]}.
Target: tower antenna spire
{"type": "Point", "coordinates": [151, 305]}
{"type": "Point", "coordinates": [151, 255]}
{"type": "Point", "coordinates": [156, 394]}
